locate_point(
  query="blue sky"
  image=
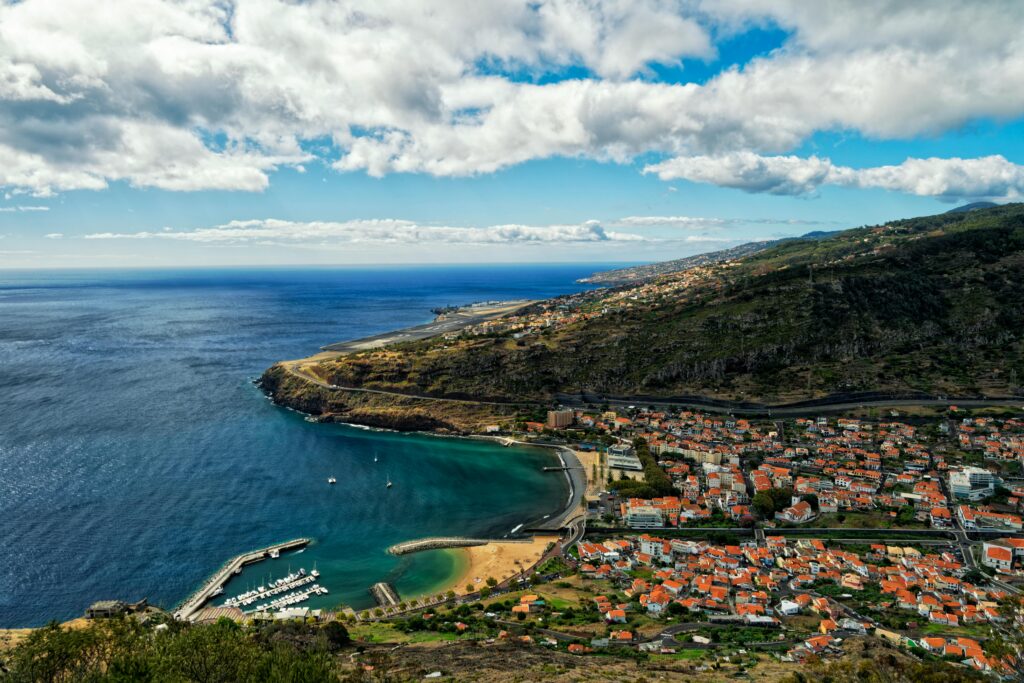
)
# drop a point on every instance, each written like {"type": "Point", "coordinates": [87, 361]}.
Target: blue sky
{"type": "Point", "coordinates": [356, 133]}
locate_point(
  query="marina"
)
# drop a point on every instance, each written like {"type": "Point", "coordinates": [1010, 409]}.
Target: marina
{"type": "Point", "coordinates": [283, 585]}
{"type": "Point", "coordinates": [215, 584]}
{"type": "Point", "coordinates": [290, 599]}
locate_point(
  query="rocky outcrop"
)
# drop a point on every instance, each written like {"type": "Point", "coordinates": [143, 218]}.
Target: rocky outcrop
{"type": "Point", "coordinates": [380, 410]}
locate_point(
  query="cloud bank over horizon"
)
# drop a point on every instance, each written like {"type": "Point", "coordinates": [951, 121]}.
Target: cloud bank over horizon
{"type": "Point", "coordinates": [218, 95]}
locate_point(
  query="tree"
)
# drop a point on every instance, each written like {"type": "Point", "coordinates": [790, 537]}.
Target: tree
{"type": "Point", "coordinates": [764, 504]}
{"type": "Point", "coordinates": [767, 503]}
{"type": "Point", "coordinates": [812, 500]}
{"type": "Point", "coordinates": [469, 588]}
{"type": "Point", "coordinates": [336, 633]}
{"type": "Point", "coordinates": [905, 515]}
{"type": "Point", "coordinates": [491, 581]}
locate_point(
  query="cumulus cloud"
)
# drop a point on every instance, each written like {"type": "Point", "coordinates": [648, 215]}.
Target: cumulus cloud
{"type": "Point", "coordinates": [748, 172]}
{"type": "Point", "coordinates": [380, 231]}
{"type": "Point", "coordinates": [206, 94]}
{"type": "Point", "coordinates": [991, 177]}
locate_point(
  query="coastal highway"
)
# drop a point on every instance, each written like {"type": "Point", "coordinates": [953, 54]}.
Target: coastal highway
{"type": "Point", "coordinates": [793, 410]}
{"type": "Point", "coordinates": [452, 322]}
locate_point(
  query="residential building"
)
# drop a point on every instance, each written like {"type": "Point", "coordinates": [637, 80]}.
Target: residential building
{"type": "Point", "coordinates": [972, 483]}
{"type": "Point", "coordinates": [560, 419]}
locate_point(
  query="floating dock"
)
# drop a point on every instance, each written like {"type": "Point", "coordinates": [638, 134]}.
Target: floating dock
{"type": "Point", "coordinates": [194, 602]}
{"type": "Point", "coordinates": [385, 594]}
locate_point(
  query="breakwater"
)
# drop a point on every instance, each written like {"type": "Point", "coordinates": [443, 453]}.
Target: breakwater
{"type": "Point", "coordinates": [441, 542]}
{"type": "Point", "coordinates": [197, 599]}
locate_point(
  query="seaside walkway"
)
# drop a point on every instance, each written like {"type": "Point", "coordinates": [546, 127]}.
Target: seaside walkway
{"type": "Point", "coordinates": [197, 599]}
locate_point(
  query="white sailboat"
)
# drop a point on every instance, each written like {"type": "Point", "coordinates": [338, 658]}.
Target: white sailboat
{"type": "Point", "coordinates": [389, 482]}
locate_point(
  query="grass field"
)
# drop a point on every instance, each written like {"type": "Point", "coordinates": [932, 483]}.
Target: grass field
{"type": "Point", "coordinates": [684, 655]}
{"type": "Point", "coordinates": [873, 519]}
{"type": "Point", "coordinates": [385, 633]}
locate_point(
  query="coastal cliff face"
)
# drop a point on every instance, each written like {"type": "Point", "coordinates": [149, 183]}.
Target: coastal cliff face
{"type": "Point", "coordinates": [379, 410]}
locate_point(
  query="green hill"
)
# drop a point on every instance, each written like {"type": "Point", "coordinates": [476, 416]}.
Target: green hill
{"type": "Point", "coordinates": [933, 304]}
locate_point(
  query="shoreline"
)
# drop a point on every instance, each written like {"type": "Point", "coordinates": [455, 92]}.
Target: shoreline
{"type": "Point", "coordinates": [473, 561]}
{"type": "Point", "coordinates": [500, 560]}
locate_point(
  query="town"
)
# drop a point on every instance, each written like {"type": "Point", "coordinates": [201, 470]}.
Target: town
{"type": "Point", "coordinates": [707, 542]}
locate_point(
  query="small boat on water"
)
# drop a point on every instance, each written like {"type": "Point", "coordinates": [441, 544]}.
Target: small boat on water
{"type": "Point", "coordinates": [275, 553]}
{"type": "Point", "coordinates": [388, 485]}
{"type": "Point", "coordinates": [332, 480]}
{"type": "Point", "coordinates": [375, 457]}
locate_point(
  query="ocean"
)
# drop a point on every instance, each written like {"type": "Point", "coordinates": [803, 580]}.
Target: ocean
{"type": "Point", "coordinates": [136, 455]}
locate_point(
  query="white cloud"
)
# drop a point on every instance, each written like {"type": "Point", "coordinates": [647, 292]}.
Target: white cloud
{"type": "Point", "coordinates": [22, 209]}
{"type": "Point", "coordinates": [211, 95]}
{"type": "Point", "coordinates": [380, 231]}
{"type": "Point", "coordinates": [991, 177]}
{"type": "Point", "coordinates": [54, 235]}
{"type": "Point", "coordinates": [683, 222]}
{"type": "Point", "coordinates": [748, 171]}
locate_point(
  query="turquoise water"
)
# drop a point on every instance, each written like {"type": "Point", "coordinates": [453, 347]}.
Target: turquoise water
{"type": "Point", "coordinates": [136, 456]}
{"type": "Point", "coordinates": [441, 487]}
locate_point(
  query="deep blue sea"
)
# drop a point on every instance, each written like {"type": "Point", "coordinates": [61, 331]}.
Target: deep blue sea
{"type": "Point", "coordinates": [136, 456]}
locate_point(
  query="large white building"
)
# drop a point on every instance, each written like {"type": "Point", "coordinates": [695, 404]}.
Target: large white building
{"type": "Point", "coordinates": [972, 483]}
{"type": "Point", "coordinates": [644, 517]}
{"type": "Point", "coordinates": [622, 457]}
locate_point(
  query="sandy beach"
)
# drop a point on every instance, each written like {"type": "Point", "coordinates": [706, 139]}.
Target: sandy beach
{"type": "Point", "coordinates": [595, 470]}
{"type": "Point", "coordinates": [500, 560]}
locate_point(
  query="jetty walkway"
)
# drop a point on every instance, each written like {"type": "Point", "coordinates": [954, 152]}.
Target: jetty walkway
{"type": "Point", "coordinates": [447, 542]}
{"type": "Point", "coordinates": [385, 594]}
{"type": "Point", "coordinates": [194, 602]}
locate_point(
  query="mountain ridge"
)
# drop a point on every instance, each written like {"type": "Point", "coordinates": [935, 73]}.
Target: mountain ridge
{"type": "Point", "coordinates": [930, 305]}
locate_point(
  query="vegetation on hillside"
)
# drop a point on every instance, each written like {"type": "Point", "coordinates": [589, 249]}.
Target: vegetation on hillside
{"type": "Point", "coordinates": [125, 650]}
{"type": "Point", "coordinates": [930, 304]}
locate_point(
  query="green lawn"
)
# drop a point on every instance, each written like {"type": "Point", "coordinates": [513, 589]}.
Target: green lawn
{"type": "Point", "coordinates": [873, 519]}
{"type": "Point", "coordinates": [386, 633]}
{"type": "Point", "coordinates": [687, 655]}
{"type": "Point", "coordinates": [967, 631]}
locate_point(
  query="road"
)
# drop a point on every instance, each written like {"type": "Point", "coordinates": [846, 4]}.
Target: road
{"type": "Point", "coordinates": [816, 407]}
{"type": "Point", "coordinates": [299, 368]}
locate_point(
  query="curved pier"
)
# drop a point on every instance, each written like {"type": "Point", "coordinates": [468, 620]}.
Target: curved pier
{"type": "Point", "coordinates": [438, 543]}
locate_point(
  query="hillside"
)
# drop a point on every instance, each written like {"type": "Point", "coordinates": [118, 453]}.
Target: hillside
{"type": "Point", "coordinates": [650, 271]}
{"type": "Point", "coordinates": [125, 650]}
{"type": "Point", "coordinates": [931, 304]}
{"type": "Point", "coordinates": [634, 274]}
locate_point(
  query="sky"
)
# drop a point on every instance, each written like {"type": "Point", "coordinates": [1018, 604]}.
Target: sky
{"type": "Point", "coordinates": [285, 132]}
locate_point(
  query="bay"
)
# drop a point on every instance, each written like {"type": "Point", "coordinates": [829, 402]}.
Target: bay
{"type": "Point", "coordinates": [136, 455]}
